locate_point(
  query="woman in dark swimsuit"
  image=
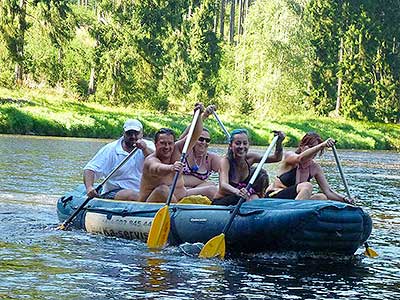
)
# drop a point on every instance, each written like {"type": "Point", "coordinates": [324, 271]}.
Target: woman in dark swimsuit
{"type": "Point", "coordinates": [298, 168]}
{"type": "Point", "coordinates": [200, 164]}
{"type": "Point", "coordinates": [235, 173]}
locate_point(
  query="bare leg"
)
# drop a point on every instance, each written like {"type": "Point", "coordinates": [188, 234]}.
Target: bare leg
{"type": "Point", "coordinates": [127, 194]}
{"type": "Point", "coordinates": [159, 194]}
{"type": "Point", "coordinates": [208, 190]}
{"type": "Point", "coordinates": [319, 196]}
{"type": "Point", "coordinates": [304, 191]}
{"type": "Point", "coordinates": [254, 196]}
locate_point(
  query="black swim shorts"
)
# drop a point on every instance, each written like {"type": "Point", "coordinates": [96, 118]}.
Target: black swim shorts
{"type": "Point", "coordinates": [287, 193]}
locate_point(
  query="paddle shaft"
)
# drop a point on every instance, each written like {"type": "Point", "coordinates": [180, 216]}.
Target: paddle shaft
{"type": "Point", "coordinates": [185, 147]}
{"type": "Point", "coordinates": [228, 136]}
{"type": "Point", "coordinates": [341, 171]}
{"type": "Point", "coordinates": [368, 249]}
{"type": "Point", "coordinates": [98, 188]}
{"type": "Point", "coordinates": [252, 179]}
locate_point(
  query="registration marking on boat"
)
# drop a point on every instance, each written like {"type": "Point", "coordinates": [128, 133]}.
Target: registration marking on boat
{"type": "Point", "coordinates": [198, 220]}
{"type": "Point", "coordinates": [125, 227]}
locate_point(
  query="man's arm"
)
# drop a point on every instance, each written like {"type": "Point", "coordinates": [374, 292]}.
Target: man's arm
{"type": "Point", "coordinates": [145, 146]}
{"type": "Point", "coordinates": [88, 180]}
{"type": "Point", "coordinates": [155, 167]}
{"type": "Point", "coordinates": [97, 167]}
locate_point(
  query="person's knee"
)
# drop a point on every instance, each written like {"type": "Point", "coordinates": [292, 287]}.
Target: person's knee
{"type": "Point", "coordinates": [213, 189]}
{"type": "Point", "coordinates": [254, 196]}
{"type": "Point", "coordinates": [211, 192]}
{"type": "Point", "coordinates": [323, 197]}
{"type": "Point", "coordinates": [127, 194]}
{"type": "Point", "coordinates": [261, 183]}
{"type": "Point", "coordinates": [304, 187]}
{"type": "Point", "coordinates": [208, 191]}
{"type": "Point", "coordinates": [159, 194]}
{"type": "Point", "coordinates": [162, 190]}
{"type": "Point", "coordinates": [207, 184]}
{"type": "Point", "coordinates": [319, 196]}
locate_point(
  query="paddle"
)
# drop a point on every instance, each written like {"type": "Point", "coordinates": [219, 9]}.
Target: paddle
{"type": "Point", "coordinates": [228, 136]}
{"type": "Point", "coordinates": [160, 226]}
{"type": "Point", "coordinates": [66, 223]}
{"type": "Point", "coordinates": [368, 251]}
{"type": "Point", "coordinates": [216, 246]}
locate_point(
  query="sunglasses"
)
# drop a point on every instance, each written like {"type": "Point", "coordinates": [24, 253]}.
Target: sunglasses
{"type": "Point", "coordinates": [203, 139]}
{"type": "Point", "coordinates": [132, 132]}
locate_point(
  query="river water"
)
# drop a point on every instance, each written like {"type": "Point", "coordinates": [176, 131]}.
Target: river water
{"type": "Point", "coordinates": [38, 262]}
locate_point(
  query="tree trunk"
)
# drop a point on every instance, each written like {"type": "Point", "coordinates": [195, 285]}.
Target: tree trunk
{"type": "Point", "coordinates": [92, 79]}
{"type": "Point", "coordinates": [339, 84]}
{"type": "Point", "coordinates": [246, 7]}
{"type": "Point", "coordinates": [60, 55]}
{"type": "Point", "coordinates": [240, 19]}
{"type": "Point", "coordinates": [189, 15]}
{"type": "Point", "coordinates": [232, 22]}
{"type": "Point", "coordinates": [222, 19]}
{"type": "Point", "coordinates": [216, 15]}
{"type": "Point", "coordinates": [20, 43]}
{"type": "Point", "coordinates": [18, 73]}
{"type": "Point", "coordinates": [113, 91]}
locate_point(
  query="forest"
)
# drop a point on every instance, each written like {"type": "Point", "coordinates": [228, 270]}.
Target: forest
{"type": "Point", "coordinates": [254, 57]}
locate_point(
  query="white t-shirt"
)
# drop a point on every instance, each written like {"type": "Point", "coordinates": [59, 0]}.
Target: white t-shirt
{"type": "Point", "coordinates": [108, 157]}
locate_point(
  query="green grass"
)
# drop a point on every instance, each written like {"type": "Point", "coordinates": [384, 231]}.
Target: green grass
{"type": "Point", "coordinates": [49, 112]}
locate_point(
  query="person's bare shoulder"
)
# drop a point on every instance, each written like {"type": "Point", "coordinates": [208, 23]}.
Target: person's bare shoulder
{"type": "Point", "coordinates": [215, 161]}
{"type": "Point", "coordinates": [289, 154]}
{"type": "Point", "coordinates": [152, 158]}
{"type": "Point", "coordinates": [290, 158]}
{"type": "Point", "coordinates": [214, 156]}
{"type": "Point", "coordinates": [176, 154]}
{"type": "Point", "coordinates": [253, 157]}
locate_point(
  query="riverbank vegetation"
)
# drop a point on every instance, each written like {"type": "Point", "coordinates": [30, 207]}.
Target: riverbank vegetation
{"type": "Point", "coordinates": [33, 112]}
{"type": "Point", "coordinates": [331, 66]}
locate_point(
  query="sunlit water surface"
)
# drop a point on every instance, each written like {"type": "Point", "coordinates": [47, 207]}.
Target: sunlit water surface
{"type": "Point", "coordinates": [38, 262]}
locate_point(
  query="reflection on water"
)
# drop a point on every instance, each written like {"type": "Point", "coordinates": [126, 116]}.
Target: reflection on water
{"type": "Point", "coordinates": [156, 276]}
{"type": "Point", "coordinates": [38, 262]}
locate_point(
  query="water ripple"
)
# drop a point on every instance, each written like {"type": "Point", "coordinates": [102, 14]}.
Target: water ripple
{"type": "Point", "coordinates": [38, 262]}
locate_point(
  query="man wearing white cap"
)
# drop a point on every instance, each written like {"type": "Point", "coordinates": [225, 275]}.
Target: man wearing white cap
{"type": "Point", "coordinates": [125, 183]}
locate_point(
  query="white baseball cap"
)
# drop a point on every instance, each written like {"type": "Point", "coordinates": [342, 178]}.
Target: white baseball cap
{"type": "Point", "coordinates": [133, 124]}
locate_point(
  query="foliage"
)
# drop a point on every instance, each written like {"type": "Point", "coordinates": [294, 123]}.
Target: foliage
{"type": "Point", "coordinates": [370, 65]}
{"type": "Point", "coordinates": [191, 74]}
{"type": "Point", "coordinates": [204, 53]}
{"type": "Point", "coordinates": [54, 18]}
{"type": "Point", "coordinates": [6, 74]}
{"type": "Point", "coordinates": [165, 55]}
{"type": "Point", "coordinates": [46, 113]}
{"type": "Point", "coordinates": [270, 60]}
{"type": "Point", "coordinates": [13, 25]}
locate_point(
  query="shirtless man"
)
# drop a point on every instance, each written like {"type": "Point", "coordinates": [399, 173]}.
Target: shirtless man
{"type": "Point", "coordinates": [161, 166]}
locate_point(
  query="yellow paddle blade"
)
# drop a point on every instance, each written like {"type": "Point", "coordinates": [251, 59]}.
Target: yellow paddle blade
{"type": "Point", "coordinates": [370, 252]}
{"type": "Point", "coordinates": [60, 227]}
{"type": "Point", "coordinates": [214, 247]}
{"type": "Point", "coordinates": [159, 229]}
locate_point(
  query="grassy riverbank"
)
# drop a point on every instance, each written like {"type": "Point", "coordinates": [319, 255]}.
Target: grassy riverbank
{"type": "Point", "coordinates": [50, 113]}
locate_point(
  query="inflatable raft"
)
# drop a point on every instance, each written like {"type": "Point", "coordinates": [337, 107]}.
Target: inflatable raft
{"type": "Point", "coordinates": [262, 225]}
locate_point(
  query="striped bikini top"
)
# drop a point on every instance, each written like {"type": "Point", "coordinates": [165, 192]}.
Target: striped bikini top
{"type": "Point", "coordinates": [193, 170]}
